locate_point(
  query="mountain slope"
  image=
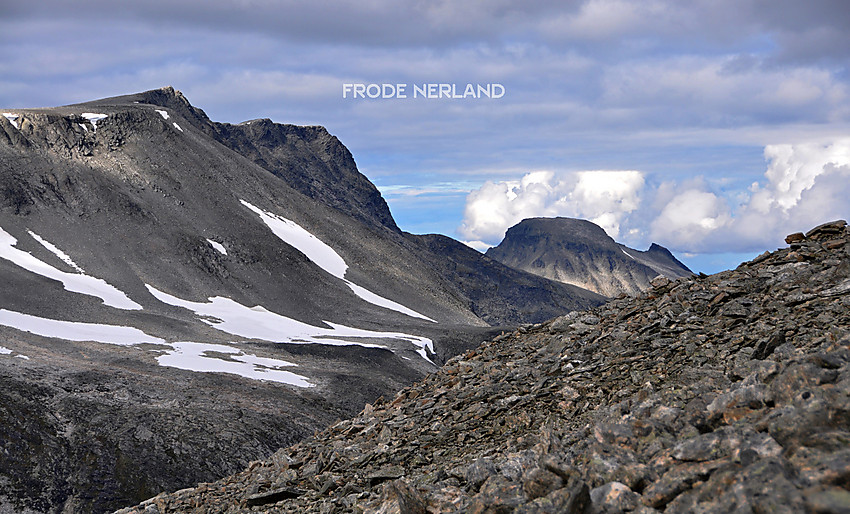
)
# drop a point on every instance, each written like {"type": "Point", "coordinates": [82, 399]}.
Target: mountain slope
{"type": "Point", "coordinates": [579, 252]}
{"type": "Point", "coordinates": [721, 393]}
{"type": "Point", "coordinates": [498, 293]}
{"type": "Point", "coordinates": [317, 165]}
{"type": "Point", "coordinates": [172, 309]}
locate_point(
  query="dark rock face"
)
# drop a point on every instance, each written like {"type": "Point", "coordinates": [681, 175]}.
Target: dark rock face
{"type": "Point", "coordinates": [579, 252]}
{"type": "Point", "coordinates": [311, 161]}
{"type": "Point", "coordinates": [683, 399]}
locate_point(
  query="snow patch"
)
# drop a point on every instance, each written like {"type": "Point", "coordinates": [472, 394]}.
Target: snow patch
{"type": "Point", "coordinates": [386, 303]}
{"type": "Point", "coordinates": [73, 282]}
{"type": "Point", "coordinates": [84, 127]}
{"type": "Point", "coordinates": [183, 355]}
{"type": "Point", "coordinates": [12, 117]}
{"type": "Point", "coordinates": [217, 246]}
{"type": "Point", "coordinates": [56, 251]}
{"type": "Point", "coordinates": [296, 236]}
{"type": "Point", "coordinates": [75, 331]}
{"type": "Point", "coordinates": [6, 351]}
{"type": "Point", "coordinates": [177, 127]}
{"type": "Point", "coordinates": [258, 322]}
{"type": "Point", "coordinates": [627, 254]}
{"type": "Point", "coordinates": [324, 257]}
{"type": "Point", "coordinates": [194, 357]}
{"type": "Point", "coordinates": [93, 118]}
{"type": "Point", "coordinates": [164, 114]}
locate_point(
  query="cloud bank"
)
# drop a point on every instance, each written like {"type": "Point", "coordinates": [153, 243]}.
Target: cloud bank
{"type": "Point", "coordinates": [604, 197]}
{"type": "Point", "coordinates": [677, 90]}
{"type": "Point", "coordinates": [804, 185]}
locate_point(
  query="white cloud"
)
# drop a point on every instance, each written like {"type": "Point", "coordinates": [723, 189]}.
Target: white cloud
{"type": "Point", "coordinates": [690, 217]}
{"type": "Point", "coordinates": [805, 185]}
{"type": "Point", "coordinates": [714, 89]}
{"type": "Point", "coordinates": [604, 197]}
{"type": "Point", "coordinates": [793, 169]}
{"type": "Point", "coordinates": [481, 246]}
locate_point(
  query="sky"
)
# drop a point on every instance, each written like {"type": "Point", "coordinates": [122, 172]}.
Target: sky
{"type": "Point", "coordinates": [713, 128]}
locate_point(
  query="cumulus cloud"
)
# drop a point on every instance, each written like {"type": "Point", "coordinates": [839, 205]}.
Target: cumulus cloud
{"type": "Point", "coordinates": [604, 197]}
{"type": "Point", "coordinates": [804, 185]}
{"type": "Point", "coordinates": [689, 217]}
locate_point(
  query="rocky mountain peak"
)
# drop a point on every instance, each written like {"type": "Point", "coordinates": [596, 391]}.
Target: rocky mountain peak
{"type": "Point", "coordinates": [720, 393]}
{"type": "Point", "coordinates": [573, 228]}
{"type": "Point", "coordinates": [581, 253]}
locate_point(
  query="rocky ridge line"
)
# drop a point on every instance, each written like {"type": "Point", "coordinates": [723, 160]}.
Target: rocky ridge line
{"type": "Point", "coordinates": [728, 392]}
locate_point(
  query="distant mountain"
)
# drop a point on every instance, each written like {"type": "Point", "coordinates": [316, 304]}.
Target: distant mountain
{"type": "Point", "coordinates": [580, 253]}
{"type": "Point", "coordinates": [180, 297]}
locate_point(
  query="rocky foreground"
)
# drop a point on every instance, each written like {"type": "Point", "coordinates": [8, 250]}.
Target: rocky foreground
{"type": "Point", "coordinates": [722, 393]}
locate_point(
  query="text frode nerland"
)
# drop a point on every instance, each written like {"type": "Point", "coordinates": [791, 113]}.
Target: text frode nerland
{"type": "Point", "coordinates": [424, 90]}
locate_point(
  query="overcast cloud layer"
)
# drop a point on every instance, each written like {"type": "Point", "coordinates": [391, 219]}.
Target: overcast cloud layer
{"type": "Point", "coordinates": [711, 127]}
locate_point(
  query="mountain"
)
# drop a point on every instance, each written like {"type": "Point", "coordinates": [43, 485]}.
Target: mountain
{"type": "Point", "coordinates": [721, 393]}
{"type": "Point", "coordinates": [181, 297]}
{"type": "Point", "coordinates": [579, 252]}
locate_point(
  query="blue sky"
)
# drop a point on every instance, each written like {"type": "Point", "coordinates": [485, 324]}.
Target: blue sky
{"type": "Point", "coordinates": [711, 127]}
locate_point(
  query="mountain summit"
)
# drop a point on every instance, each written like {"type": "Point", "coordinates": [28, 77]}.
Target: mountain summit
{"type": "Point", "coordinates": [580, 253]}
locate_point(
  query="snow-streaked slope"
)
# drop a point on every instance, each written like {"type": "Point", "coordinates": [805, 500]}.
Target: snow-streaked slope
{"type": "Point", "coordinates": [75, 331]}
{"type": "Point", "coordinates": [56, 251]}
{"type": "Point", "coordinates": [294, 235]}
{"type": "Point", "coordinates": [324, 257]}
{"type": "Point", "coordinates": [183, 355]}
{"type": "Point", "coordinates": [259, 323]}
{"type": "Point", "coordinates": [73, 282]}
{"type": "Point", "coordinates": [193, 357]}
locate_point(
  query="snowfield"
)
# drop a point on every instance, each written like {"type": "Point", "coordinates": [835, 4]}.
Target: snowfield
{"type": "Point", "coordinates": [182, 355]}
{"type": "Point", "coordinates": [76, 331]}
{"type": "Point", "coordinates": [56, 251]}
{"type": "Point", "coordinates": [259, 323]}
{"type": "Point", "coordinates": [73, 282]}
{"type": "Point", "coordinates": [193, 357]}
{"type": "Point", "coordinates": [324, 257]}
